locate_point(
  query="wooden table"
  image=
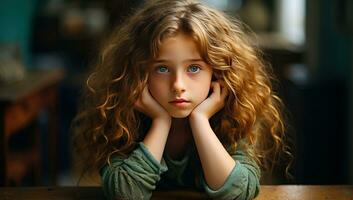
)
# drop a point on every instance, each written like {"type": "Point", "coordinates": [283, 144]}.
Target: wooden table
{"type": "Point", "coordinates": [280, 192]}
{"type": "Point", "coordinates": [20, 104]}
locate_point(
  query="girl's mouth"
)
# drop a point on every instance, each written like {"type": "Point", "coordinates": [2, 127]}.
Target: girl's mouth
{"type": "Point", "coordinates": [180, 102]}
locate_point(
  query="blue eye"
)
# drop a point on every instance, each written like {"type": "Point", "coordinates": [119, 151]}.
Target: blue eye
{"type": "Point", "coordinates": [162, 69]}
{"type": "Point", "coordinates": [194, 68]}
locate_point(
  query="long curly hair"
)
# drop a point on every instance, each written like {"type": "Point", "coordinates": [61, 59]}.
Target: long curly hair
{"type": "Point", "coordinates": [107, 124]}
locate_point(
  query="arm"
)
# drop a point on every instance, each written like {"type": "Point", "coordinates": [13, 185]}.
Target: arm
{"type": "Point", "coordinates": [156, 137]}
{"type": "Point", "coordinates": [217, 164]}
{"type": "Point", "coordinates": [135, 177]}
{"type": "Point", "coordinates": [243, 181]}
{"type": "Point", "coordinates": [215, 160]}
{"type": "Point", "coordinates": [226, 176]}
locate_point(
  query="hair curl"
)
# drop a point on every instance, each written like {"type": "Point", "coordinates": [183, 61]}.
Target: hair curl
{"type": "Point", "coordinates": [108, 125]}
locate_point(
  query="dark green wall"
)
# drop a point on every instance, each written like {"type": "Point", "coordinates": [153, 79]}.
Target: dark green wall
{"type": "Point", "coordinates": [15, 24]}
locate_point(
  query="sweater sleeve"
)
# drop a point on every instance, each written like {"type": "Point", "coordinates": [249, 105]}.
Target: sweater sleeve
{"type": "Point", "coordinates": [134, 177]}
{"type": "Point", "coordinates": [242, 183]}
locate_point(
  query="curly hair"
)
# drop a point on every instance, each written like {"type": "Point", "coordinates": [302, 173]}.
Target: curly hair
{"type": "Point", "coordinates": [108, 125]}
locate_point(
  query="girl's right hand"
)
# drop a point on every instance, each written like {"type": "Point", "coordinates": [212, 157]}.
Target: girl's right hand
{"type": "Point", "coordinates": [150, 107]}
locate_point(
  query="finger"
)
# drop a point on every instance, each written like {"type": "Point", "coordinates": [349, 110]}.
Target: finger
{"type": "Point", "coordinates": [145, 95]}
{"type": "Point", "coordinates": [145, 91]}
{"type": "Point", "coordinates": [224, 92]}
{"type": "Point", "coordinates": [138, 105]}
{"type": "Point", "coordinates": [216, 87]}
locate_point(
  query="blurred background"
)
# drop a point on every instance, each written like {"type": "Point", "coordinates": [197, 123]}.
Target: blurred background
{"type": "Point", "coordinates": [46, 47]}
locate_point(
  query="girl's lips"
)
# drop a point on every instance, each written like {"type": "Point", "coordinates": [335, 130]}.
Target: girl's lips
{"type": "Point", "coordinates": [180, 103]}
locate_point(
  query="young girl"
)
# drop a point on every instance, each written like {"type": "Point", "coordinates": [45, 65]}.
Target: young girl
{"type": "Point", "coordinates": [179, 98]}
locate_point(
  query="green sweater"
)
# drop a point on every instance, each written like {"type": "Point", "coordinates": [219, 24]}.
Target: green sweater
{"type": "Point", "coordinates": [137, 176]}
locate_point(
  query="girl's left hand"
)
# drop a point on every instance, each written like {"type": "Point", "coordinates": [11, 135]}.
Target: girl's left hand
{"type": "Point", "coordinates": [213, 103]}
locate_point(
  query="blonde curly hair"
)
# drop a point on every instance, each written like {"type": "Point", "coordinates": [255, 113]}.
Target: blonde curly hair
{"type": "Point", "coordinates": [107, 123]}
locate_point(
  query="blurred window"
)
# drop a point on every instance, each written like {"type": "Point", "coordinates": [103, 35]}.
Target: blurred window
{"type": "Point", "coordinates": [291, 19]}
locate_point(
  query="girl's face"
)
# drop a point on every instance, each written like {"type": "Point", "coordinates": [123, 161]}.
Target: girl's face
{"type": "Point", "coordinates": [179, 79]}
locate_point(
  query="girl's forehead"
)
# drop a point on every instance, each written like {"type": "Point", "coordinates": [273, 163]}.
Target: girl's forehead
{"type": "Point", "coordinates": [177, 43]}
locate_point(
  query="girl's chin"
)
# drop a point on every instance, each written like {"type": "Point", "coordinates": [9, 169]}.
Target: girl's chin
{"type": "Point", "coordinates": [180, 114]}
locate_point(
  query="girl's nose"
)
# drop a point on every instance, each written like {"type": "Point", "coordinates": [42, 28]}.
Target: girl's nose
{"type": "Point", "coordinates": [178, 84]}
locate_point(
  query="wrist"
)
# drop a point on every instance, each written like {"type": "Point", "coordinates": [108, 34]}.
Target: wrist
{"type": "Point", "coordinates": [197, 117]}
{"type": "Point", "coordinates": [162, 121]}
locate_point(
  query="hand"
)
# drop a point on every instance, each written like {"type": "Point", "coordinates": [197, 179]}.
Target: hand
{"type": "Point", "coordinates": [150, 107]}
{"type": "Point", "coordinates": [213, 103]}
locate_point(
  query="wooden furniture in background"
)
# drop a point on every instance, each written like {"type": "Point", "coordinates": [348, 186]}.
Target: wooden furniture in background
{"type": "Point", "coordinates": [267, 192]}
{"type": "Point", "coordinates": [20, 104]}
